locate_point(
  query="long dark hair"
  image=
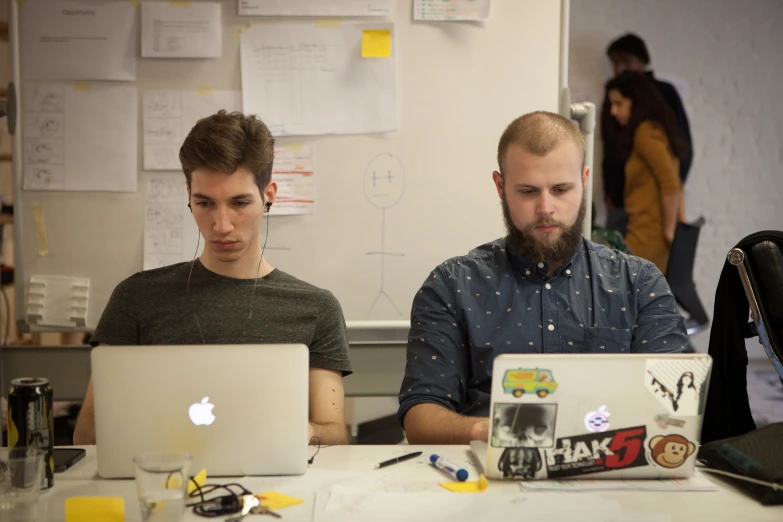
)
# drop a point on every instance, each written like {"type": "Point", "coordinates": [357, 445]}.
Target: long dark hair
{"type": "Point", "coordinates": [647, 105]}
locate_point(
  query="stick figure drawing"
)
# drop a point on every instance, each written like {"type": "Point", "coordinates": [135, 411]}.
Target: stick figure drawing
{"type": "Point", "coordinates": [384, 186]}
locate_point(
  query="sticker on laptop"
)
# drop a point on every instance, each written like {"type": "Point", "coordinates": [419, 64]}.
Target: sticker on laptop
{"type": "Point", "coordinates": [670, 451]}
{"type": "Point", "coordinates": [523, 463]}
{"type": "Point", "coordinates": [597, 421]}
{"type": "Point", "coordinates": [524, 425]}
{"type": "Point", "coordinates": [522, 381]}
{"type": "Point", "coordinates": [597, 452]}
{"type": "Point", "coordinates": [678, 384]}
{"type": "Point", "coordinates": [664, 421]}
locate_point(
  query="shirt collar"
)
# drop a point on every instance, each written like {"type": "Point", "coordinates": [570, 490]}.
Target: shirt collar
{"type": "Point", "coordinates": [539, 269]}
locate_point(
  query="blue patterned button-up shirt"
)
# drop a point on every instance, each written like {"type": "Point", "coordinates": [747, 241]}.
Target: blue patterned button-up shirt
{"type": "Point", "coordinates": [492, 301]}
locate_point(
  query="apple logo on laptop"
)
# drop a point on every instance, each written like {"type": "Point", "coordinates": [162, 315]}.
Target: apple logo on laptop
{"type": "Point", "coordinates": [201, 412]}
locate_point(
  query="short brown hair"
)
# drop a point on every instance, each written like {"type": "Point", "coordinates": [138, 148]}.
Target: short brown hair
{"type": "Point", "coordinates": [539, 133]}
{"type": "Point", "coordinates": [225, 142]}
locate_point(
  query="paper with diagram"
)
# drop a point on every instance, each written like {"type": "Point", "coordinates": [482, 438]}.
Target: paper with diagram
{"type": "Point", "coordinates": [80, 136]}
{"type": "Point", "coordinates": [78, 40]}
{"type": "Point", "coordinates": [311, 80]}
{"type": "Point", "coordinates": [451, 10]}
{"type": "Point", "coordinates": [168, 117]}
{"type": "Point", "coordinates": [319, 8]}
{"type": "Point", "coordinates": [170, 233]}
{"type": "Point", "coordinates": [181, 30]}
{"type": "Point", "coordinates": [295, 177]}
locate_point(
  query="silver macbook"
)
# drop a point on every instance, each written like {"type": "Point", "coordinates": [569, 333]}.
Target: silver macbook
{"type": "Point", "coordinates": [236, 409]}
{"type": "Point", "coordinates": [595, 416]}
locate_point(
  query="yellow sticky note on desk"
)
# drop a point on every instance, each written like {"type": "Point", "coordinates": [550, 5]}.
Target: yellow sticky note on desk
{"type": "Point", "coordinates": [95, 509]}
{"type": "Point", "coordinates": [376, 43]}
{"type": "Point", "coordinates": [275, 501]}
{"type": "Point", "coordinates": [467, 487]}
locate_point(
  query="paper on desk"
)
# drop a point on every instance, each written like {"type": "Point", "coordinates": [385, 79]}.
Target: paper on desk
{"type": "Point", "coordinates": [308, 80]}
{"type": "Point", "coordinates": [168, 117]}
{"type": "Point", "coordinates": [95, 509]}
{"type": "Point", "coordinates": [451, 10]}
{"type": "Point", "coordinates": [80, 136]}
{"type": "Point", "coordinates": [348, 505]}
{"type": "Point", "coordinates": [181, 30]}
{"type": "Point", "coordinates": [696, 483]}
{"type": "Point", "coordinates": [319, 8]}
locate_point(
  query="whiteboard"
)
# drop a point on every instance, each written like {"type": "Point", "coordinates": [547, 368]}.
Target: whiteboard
{"type": "Point", "coordinates": [459, 85]}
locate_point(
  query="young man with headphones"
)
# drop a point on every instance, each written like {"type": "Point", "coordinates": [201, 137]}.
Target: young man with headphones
{"type": "Point", "coordinates": [231, 294]}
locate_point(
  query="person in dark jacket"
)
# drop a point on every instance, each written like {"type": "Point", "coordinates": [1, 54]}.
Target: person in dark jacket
{"type": "Point", "coordinates": [629, 53]}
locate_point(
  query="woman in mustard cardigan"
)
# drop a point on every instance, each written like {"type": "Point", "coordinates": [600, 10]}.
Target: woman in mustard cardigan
{"type": "Point", "coordinates": [653, 191]}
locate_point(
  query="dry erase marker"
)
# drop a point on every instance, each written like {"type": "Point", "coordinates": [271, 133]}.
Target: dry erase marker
{"type": "Point", "coordinates": [443, 464]}
{"type": "Point", "coordinates": [399, 459]}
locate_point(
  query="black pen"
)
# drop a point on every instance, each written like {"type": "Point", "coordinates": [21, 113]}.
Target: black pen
{"type": "Point", "coordinates": [398, 459]}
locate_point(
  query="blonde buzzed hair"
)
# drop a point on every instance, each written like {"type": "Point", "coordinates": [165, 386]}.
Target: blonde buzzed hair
{"type": "Point", "coordinates": [539, 133]}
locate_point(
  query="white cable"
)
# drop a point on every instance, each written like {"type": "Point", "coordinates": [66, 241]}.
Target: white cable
{"type": "Point", "coordinates": [775, 486]}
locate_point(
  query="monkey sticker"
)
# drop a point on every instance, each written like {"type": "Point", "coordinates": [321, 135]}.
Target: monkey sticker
{"type": "Point", "coordinates": [671, 451]}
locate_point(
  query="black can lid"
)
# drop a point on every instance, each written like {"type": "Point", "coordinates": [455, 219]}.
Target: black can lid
{"type": "Point", "coordinates": [30, 381]}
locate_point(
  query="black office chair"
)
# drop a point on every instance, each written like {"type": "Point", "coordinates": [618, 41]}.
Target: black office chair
{"type": "Point", "coordinates": [761, 273]}
{"type": "Point", "coordinates": [679, 275]}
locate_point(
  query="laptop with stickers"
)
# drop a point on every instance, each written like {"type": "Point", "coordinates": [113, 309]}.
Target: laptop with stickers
{"type": "Point", "coordinates": [595, 416]}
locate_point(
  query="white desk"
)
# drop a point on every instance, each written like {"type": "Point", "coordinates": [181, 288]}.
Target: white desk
{"type": "Point", "coordinates": [726, 504]}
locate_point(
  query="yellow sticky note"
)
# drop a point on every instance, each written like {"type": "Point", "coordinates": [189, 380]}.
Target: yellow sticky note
{"type": "Point", "coordinates": [328, 23]}
{"type": "Point", "coordinates": [467, 487]}
{"type": "Point", "coordinates": [95, 509]}
{"type": "Point", "coordinates": [40, 230]}
{"type": "Point", "coordinates": [200, 479]}
{"type": "Point", "coordinates": [82, 86]}
{"type": "Point", "coordinates": [292, 147]}
{"type": "Point", "coordinates": [275, 501]}
{"type": "Point", "coordinates": [205, 91]}
{"type": "Point", "coordinates": [134, 3]}
{"type": "Point", "coordinates": [242, 29]}
{"type": "Point", "coordinates": [376, 43]}
{"type": "Point", "coordinates": [179, 4]}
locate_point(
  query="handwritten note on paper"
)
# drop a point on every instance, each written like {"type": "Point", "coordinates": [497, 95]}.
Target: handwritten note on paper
{"type": "Point", "coordinates": [319, 8]}
{"type": "Point", "coordinates": [181, 30]}
{"type": "Point", "coordinates": [92, 152]}
{"type": "Point", "coordinates": [451, 10]}
{"type": "Point", "coordinates": [349, 505]}
{"type": "Point", "coordinates": [170, 115]}
{"type": "Point", "coordinates": [305, 80]}
{"type": "Point", "coordinates": [295, 177]}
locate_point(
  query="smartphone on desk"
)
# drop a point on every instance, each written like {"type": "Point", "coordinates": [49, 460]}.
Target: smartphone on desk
{"type": "Point", "coordinates": [64, 458]}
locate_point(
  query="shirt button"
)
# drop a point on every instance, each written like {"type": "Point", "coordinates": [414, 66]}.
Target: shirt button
{"type": "Point", "coordinates": [548, 286]}
{"type": "Point", "coordinates": [568, 272]}
{"type": "Point", "coordinates": [551, 327]}
{"type": "Point", "coordinates": [540, 265]}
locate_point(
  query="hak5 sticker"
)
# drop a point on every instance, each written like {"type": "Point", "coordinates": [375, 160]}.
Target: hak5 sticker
{"type": "Point", "coordinates": [596, 452]}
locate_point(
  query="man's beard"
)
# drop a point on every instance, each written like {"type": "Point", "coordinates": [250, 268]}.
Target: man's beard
{"type": "Point", "coordinates": [563, 248]}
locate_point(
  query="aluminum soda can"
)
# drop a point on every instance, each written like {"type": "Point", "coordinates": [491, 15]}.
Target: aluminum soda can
{"type": "Point", "coordinates": [31, 421]}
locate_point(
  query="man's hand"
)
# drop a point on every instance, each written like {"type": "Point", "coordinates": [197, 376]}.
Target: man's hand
{"type": "Point", "coordinates": [480, 430]}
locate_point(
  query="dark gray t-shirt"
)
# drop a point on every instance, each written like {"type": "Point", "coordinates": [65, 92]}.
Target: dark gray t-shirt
{"type": "Point", "coordinates": [158, 307]}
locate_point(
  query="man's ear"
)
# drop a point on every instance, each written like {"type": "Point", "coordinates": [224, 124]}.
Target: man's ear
{"type": "Point", "coordinates": [270, 191]}
{"type": "Point", "coordinates": [497, 177]}
{"type": "Point", "coordinates": [585, 176]}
